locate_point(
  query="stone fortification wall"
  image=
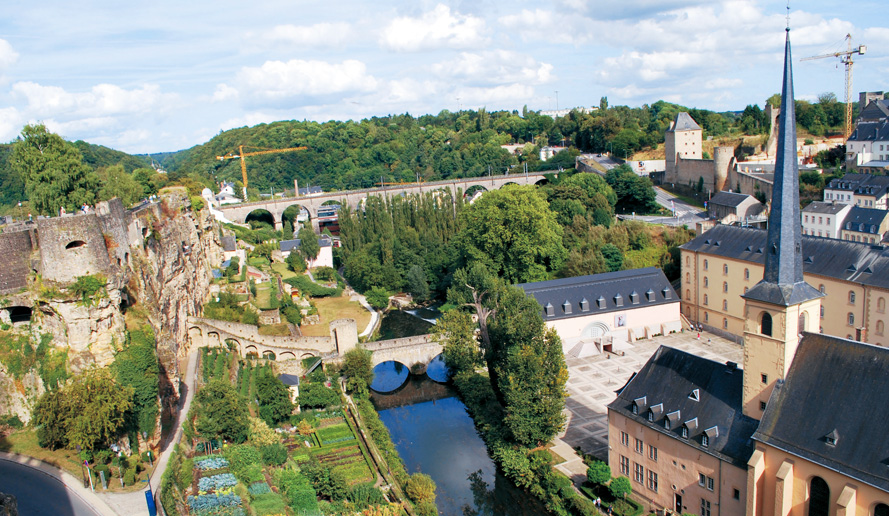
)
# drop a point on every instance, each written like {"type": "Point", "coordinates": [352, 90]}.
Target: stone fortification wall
{"type": "Point", "coordinates": [750, 184]}
{"type": "Point", "coordinates": [72, 246]}
{"type": "Point", "coordinates": [689, 172]}
{"type": "Point", "coordinates": [15, 250]}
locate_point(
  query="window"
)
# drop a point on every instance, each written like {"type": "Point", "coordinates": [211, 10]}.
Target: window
{"type": "Point", "coordinates": [624, 466]}
{"type": "Point", "coordinates": [822, 311]}
{"type": "Point", "coordinates": [724, 323]}
{"type": "Point", "coordinates": [879, 327]}
{"type": "Point", "coordinates": [706, 317]}
{"type": "Point", "coordinates": [802, 322]}
{"type": "Point", "coordinates": [652, 481]}
{"type": "Point", "coordinates": [766, 324]}
{"type": "Point", "coordinates": [638, 473]}
{"type": "Point", "coordinates": [821, 288]}
{"type": "Point", "coordinates": [625, 438]}
{"type": "Point", "coordinates": [684, 432]}
{"type": "Point", "coordinates": [706, 265]}
{"type": "Point", "coordinates": [725, 286]}
{"type": "Point", "coordinates": [725, 269]}
{"type": "Point", "coordinates": [806, 218]}
{"type": "Point", "coordinates": [706, 282]}
{"type": "Point", "coordinates": [706, 300]}
{"type": "Point", "coordinates": [688, 277]}
{"type": "Point", "coordinates": [819, 220]}
{"type": "Point", "coordinates": [819, 497]}
{"type": "Point", "coordinates": [851, 297]}
{"type": "Point", "coordinates": [762, 406]}
{"type": "Point", "coordinates": [764, 378]}
{"type": "Point", "coordinates": [687, 261]}
{"type": "Point", "coordinates": [851, 318]}
{"type": "Point", "coordinates": [746, 289]}
{"type": "Point", "coordinates": [688, 294]}
{"type": "Point", "coordinates": [635, 409]}
{"type": "Point", "coordinates": [881, 305]}
{"type": "Point", "coordinates": [702, 480]}
{"type": "Point", "coordinates": [881, 510]}
{"type": "Point", "coordinates": [709, 485]}
{"type": "Point", "coordinates": [652, 453]}
{"type": "Point", "coordinates": [705, 441]}
{"type": "Point", "coordinates": [724, 305]}
{"type": "Point", "coordinates": [705, 507]}
{"type": "Point", "coordinates": [746, 274]}
{"type": "Point", "coordinates": [639, 446]}
{"type": "Point", "coordinates": [736, 494]}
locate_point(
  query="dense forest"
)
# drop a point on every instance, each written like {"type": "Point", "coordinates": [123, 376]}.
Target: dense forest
{"type": "Point", "coordinates": [404, 148]}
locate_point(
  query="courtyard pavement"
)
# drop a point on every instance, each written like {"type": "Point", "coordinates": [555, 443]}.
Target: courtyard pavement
{"type": "Point", "coordinates": [592, 383]}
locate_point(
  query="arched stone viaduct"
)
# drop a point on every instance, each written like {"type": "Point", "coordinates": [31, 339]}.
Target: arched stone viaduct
{"type": "Point", "coordinates": [352, 198]}
{"type": "Point", "coordinates": [247, 340]}
{"type": "Point", "coordinates": [408, 351]}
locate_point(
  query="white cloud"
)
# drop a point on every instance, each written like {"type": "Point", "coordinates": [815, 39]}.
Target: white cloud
{"type": "Point", "coordinates": [507, 94]}
{"type": "Point", "coordinates": [317, 35]}
{"type": "Point", "coordinates": [10, 124]}
{"type": "Point", "coordinates": [8, 55]}
{"type": "Point", "coordinates": [435, 29]}
{"type": "Point", "coordinates": [276, 80]}
{"type": "Point", "coordinates": [495, 67]}
{"type": "Point", "coordinates": [101, 100]}
{"type": "Point", "coordinates": [550, 26]}
{"type": "Point", "coordinates": [224, 93]}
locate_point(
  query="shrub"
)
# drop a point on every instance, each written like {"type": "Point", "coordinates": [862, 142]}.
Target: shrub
{"type": "Point", "coordinates": [185, 476]}
{"type": "Point", "coordinates": [420, 488]}
{"type": "Point", "coordinates": [378, 298]}
{"type": "Point", "coordinates": [129, 478]}
{"type": "Point", "coordinates": [310, 288]}
{"type": "Point", "coordinates": [241, 457]}
{"type": "Point", "coordinates": [620, 487]}
{"type": "Point", "coordinates": [364, 495]}
{"type": "Point", "coordinates": [274, 454]}
{"type": "Point", "coordinates": [89, 288]}
{"type": "Point", "coordinates": [598, 473]}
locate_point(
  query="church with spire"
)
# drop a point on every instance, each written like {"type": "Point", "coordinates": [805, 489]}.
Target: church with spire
{"type": "Point", "coordinates": [801, 428]}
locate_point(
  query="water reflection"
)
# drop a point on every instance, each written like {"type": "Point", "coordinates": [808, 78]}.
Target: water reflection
{"type": "Point", "coordinates": [389, 376]}
{"type": "Point", "coordinates": [398, 324]}
{"type": "Point", "coordinates": [437, 370]}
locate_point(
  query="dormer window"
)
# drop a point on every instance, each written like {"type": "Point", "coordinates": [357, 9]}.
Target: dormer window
{"type": "Point", "coordinates": [649, 294]}
{"type": "Point", "coordinates": [684, 433]}
{"type": "Point", "coordinates": [634, 297]}
{"type": "Point", "coordinates": [635, 409]}
{"type": "Point", "coordinates": [672, 419]}
{"type": "Point", "coordinates": [709, 435]}
{"type": "Point", "coordinates": [705, 441]}
{"type": "Point", "coordinates": [584, 305]}
{"type": "Point", "coordinates": [832, 438]}
{"type": "Point", "coordinates": [689, 426]}
{"type": "Point", "coordinates": [666, 293]}
{"type": "Point", "coordinates": [651, 416]}
{"type": "Point", "coordinates": [695, 395]}
{"type": "Point", "coordinates": [655, 412]}
{"type": "Point", "coordinates": [566, 307]}
{"type": "Point", "coordinates": [601, 302]}
{"type": "Point", "coordinates": [618, 300]}
{"type": "Point", "coordinates": [549, 309]}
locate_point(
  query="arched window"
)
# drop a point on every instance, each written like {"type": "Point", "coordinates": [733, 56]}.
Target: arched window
{"type": "Point", "coordinates": [725, 286]}
{"type": "Point", "coordinates": [706, 300]}
{"type": "Point", "coordinates": [706, 264]}
{"type": "Point", "coordinates": [687, 261]}
{"type": "Point", "coordinates": [851, 297]}
{"type": "Point", "coordinates": [881, 510]}
{"type": "Point", "coordinates": [687, 295]}
{"type": "Point", "coordinates": [725, 269]}
{"type": "Point", "coordinates": [766, 324]}
{"type": "Point", "coordinates": [746, 274]}
{"type": "Point", "coordinates": [724, 323]}
{"type": "Point", "coordinates": [706, 282]}
{"type": "Point", "coordinates": [851, 318]}
{"type": "Point", "coordinates": [880, 327]}
{"type": "Point", "coordinates": [724, 305]}
{"type": "Point", "coordinates": [881, 305]}
{"type": "Point", "coordinates": [819, 497]}
{"type": "Point", "coordinates": [688, 277]}
{"type": "Point", "coordinates": [802, 322]}
{"type": "Point", "coordinates": [821, 288]}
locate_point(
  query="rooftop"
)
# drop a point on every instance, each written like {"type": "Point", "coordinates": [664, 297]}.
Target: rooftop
{"type": "Point", "coordinates": [826, 208]}
{"type": "Point", "coordinates": [729, 199]}
{"type": "Point", "coordinates": [601, 293]}
{"type": "Point", "coordinates": [684, 122]}
{"type": "Point", "coordinates": [675, 389]}
{"type": "Point", "coordinates": [824, 395]}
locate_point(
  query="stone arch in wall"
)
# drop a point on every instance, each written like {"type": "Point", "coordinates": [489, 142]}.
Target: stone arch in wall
{"type": "Point", "coordinates": [765, 324]}
{"type": "Point", "coordinates": [75, 244]}
{"type": "Point", "coordinates": [196, 336]}
{"type": "Point", "coordinates": [213, 340]}
{"type": "Point", "coordinates": [292, 214]}
{"type": "Point", "coordinates": [819, 497]}
{"type": "Point", "coordinates": [260, 215]}
{"type": "Point", "coordinates": [251, 352]}
{"type": "Point", "coordinates": [269, 355]}
{"type": "Point", "coordinates": [472, 191]}
{"type": "Point", "coordinates": [286, 355]}
{"type": "Point", "coordinates": [19, 314]}
{"type": "Point", "coordinates": [233, 345]}
{"type": "Point", "coordinates": [307, 355]}
{"type": "Point", "coordinates": [540, 182]}
{"type": "Point", "coordinates": [594, 330]}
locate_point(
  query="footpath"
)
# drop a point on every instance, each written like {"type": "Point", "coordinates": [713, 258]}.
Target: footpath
{"type": "Point", "coordinates": [72, 484]}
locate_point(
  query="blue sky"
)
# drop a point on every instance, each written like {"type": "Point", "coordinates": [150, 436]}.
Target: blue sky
{"type": "Point", "coordinates": [166, 75]}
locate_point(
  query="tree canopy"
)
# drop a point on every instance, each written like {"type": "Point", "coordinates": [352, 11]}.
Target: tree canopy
{"type": "Point", "coordinates": [221, 412]}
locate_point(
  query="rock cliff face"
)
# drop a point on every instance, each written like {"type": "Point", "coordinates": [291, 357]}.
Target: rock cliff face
{"type": "Point", "coordinates": [157, 260]}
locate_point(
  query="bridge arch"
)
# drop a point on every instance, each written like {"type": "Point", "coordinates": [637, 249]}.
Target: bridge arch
{"type": "Point", "coordinates": [251, 351]}
{"type": "Point", "coordinates": [542, 181]}
{"type": "Point", "coordinates": [287, 355]}
{"type": "Point", "coordinates": [268, 354]}
{"type": "Point", "coordinates": [295, 214]}
{"type": "Point", "coordinates": [509, 184]}
{"type": "Point", "coordinates": [212, 339]}
{"type": "Point", "coordinates": [233, 345]}
{"type": "Point", "coordinates": [262, 216]}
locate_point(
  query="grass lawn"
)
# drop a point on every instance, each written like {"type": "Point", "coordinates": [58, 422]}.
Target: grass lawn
{"type": "Point", "coordinates": [280, 330]}
{"type": "Point", "coordinates": [332, 308]}
{"type": "Point", "coordinates": [263, 296]}
{"type": "Point", "coordinates": [281, 268]}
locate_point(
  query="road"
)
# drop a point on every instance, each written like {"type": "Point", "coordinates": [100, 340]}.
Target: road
{"type": "Point", "coordinates": [40, 494]}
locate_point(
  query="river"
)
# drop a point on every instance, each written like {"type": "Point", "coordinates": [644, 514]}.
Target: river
{"type": "Point", "coordinates": [434, 435]}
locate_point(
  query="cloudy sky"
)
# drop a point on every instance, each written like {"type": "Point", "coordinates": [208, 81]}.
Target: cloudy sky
{"type": "Point", "coordinates": [165, 75]}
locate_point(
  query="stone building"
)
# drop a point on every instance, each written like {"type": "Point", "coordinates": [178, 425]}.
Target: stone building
{"type": "Point", "coordinates": [728, 207]}
{"type": "Point", "coordinates": [824, 219]}
{"type": "Point", "coordinates": [866, 225]}
{"type": "Point", "coordinates": [795, 431]}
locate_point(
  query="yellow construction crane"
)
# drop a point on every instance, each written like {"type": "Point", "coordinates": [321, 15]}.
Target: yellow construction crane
{"type": "Point", "coordinates": [241, 154]}
{"type": "Point", "coordinates": [846, 58]}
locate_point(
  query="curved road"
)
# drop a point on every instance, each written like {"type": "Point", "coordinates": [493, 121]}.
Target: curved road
{"type": "Point", "coordinates": [41, 494]}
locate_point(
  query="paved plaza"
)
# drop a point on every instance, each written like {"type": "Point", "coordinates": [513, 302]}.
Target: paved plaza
{"type": "Point", "coordinates": [592, 383]}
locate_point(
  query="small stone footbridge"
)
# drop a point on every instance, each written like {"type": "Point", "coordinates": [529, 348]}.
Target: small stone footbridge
{"type": "Point", "coordinates": [247, 341]}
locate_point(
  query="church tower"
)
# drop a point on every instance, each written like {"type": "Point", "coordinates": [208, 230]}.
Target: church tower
{"type": "Point", "coordinates": [781, 306]}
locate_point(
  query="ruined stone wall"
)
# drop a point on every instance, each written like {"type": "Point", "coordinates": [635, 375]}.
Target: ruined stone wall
{"type": "Point", "coordinates": [15, 251]}
{"type": "Point", "coordinates": [72, 246]}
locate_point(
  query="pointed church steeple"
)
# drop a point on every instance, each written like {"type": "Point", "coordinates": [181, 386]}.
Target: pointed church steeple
{"type": "Point", "coordinates": [782, 282]}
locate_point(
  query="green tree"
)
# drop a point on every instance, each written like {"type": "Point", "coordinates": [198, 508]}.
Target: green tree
{"type": "Point", "coordinates": [137, 366]}
{"type": "Point", "coordinates": [89, 412]}
{"type": "Point", "coordinates": [308, 243]}
{"type": "Point", "coordinates": [598, 472]}
{"type": "Point", "coordinates": [634, 193]}
{"type": "Point", "coordinates": [273, 398]}
{"type": "Point", "coordinates": [456, 330]}
{"type": "Point", "coordinates": [620, 487]}
{"type": "Point", "coordinates": [221, 412]}
{"type": "Point", "coordinates": [513, 232]}
{"type": "Point", "coordinates": [378, 298]}
{"type": "Point", "coordinates": [53, 171]}
{"type": "Point", "coordinates": [420, 488]}
{"type": "Point", "coordinates": [117, 183]}
{"type": "Point", "coordinates": [614, 259]}
{"type": "Point", "coordinates": [417, 284]}
{"type": "Point", "coordinates": [357, 365]}
{"type": "Point", "coordinates": [296, 262]}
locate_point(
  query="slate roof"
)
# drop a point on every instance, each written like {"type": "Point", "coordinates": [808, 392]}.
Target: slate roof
{"type": "Point", "coordinates": [875, 110]}
{"type": "Point", "coordinates": [684, 122]}
{"type": "Point", "coordinates": [825, 208]}
{"type": "Point", "coordinates": [848, 182]}
{"type": "Point", "coordinates": [310, 190]}
{"type": "Point", "coordinates": [870, 131]}
{"type": "Point", "coordinates": [290, 245]}
{"type": "Point", "coordinates": [601, 293]}
{"type": "Point", "coordinates": [824, 393]}
{"type": "Point", "coordinates": [844, 260]}
{"type": "Point", "coordinates": [673, 378]}
{"type": "Point", "coordinates": [864, 220]}
{"type": "Point", "coordinates": [229, 243]}
{"type": "Point", "coordinates": [289, 379]}
{"type": "Point", "coordinates": [729, 199]}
